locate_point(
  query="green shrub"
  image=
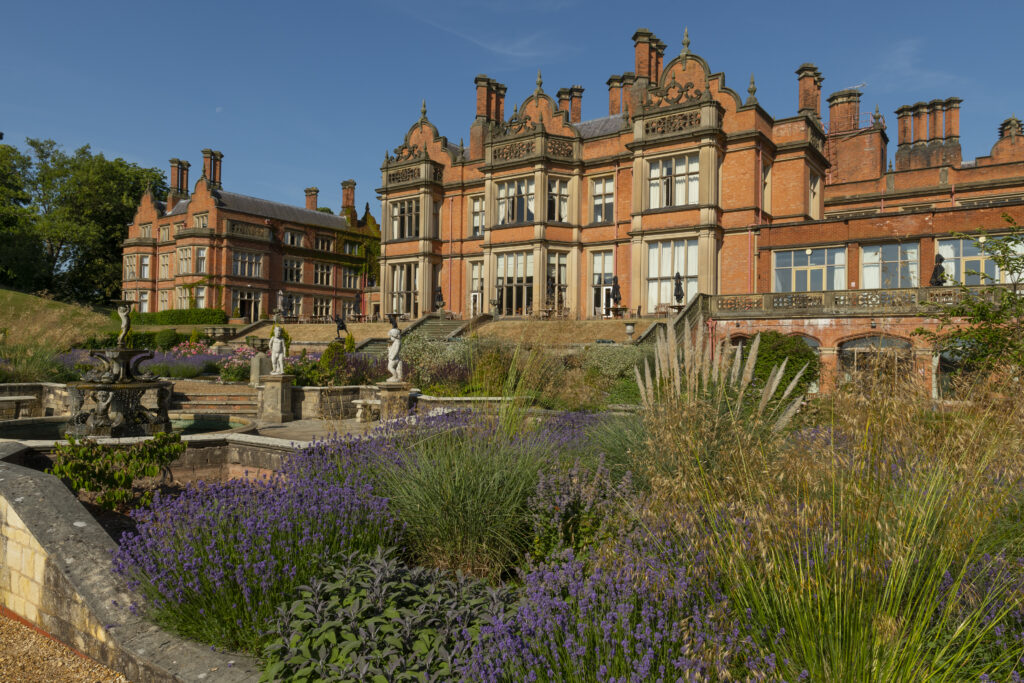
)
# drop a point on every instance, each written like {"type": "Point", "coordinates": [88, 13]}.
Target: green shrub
{"type": "Point", "coordinates": [182, 316]}
{"type": "Point", "coordinates": [350, 343]}
{"type": "Point", "coordinates": [166, 339]}
{"type": "Point", "coordinates": [775, 348]}
{"type": "Point", "coordinates": [195, 337]}
{"type": "Point", "coordinates": [612, 361]}
{"type": "Point", "coordinates": [376, 614]}
{"type": "Point", "coordinates": [110, 470]}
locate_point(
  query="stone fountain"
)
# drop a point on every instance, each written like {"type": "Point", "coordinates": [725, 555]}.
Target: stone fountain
{"type": "Point", "coordinates": [116, 390]}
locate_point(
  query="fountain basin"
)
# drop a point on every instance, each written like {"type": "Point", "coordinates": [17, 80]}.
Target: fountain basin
{"type": "Point", "coordinates": [55, 428]}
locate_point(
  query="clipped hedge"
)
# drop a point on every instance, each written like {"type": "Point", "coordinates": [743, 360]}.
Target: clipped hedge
{"type": "Point", "coordinates": [183, 316]}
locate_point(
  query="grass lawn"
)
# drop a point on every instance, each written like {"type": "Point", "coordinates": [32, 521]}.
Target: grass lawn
{"type": "Point", "coordinates": [33, 319]}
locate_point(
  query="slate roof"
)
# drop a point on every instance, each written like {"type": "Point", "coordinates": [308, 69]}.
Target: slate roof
{"type": "Point", "coordinates": [598, 127]}
{"type": "Point", "coordinates": [268, 209]}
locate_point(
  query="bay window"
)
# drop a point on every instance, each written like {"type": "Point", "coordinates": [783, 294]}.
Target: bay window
{"type": "Point", "coordinates": [515, 283]}
{"type": "Point", "coordinates": [515, 201]}
{"type": "Point", "coordinates": [405, 219]}
{"type": "Point", "coordinates": [674, 182]}
{"type": "Point", "coordinates": [558, 200]}
{"type": "Point", "coordinates": [664, 260]}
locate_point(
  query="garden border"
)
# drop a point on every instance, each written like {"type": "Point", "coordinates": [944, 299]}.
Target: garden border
{"type": "Point", "coordinates": [55, 575]}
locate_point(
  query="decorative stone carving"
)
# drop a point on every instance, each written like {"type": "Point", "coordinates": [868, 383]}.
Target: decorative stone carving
{"type": "Point", "coordinates": [560, 148]}
{"type": "Point", "coordinates": [404, 175]}
{"type": "Point", "coordinates": [797, 301]}
{"type": "Point", "coordinates": [740, 303]}
{"type": "Point", "coordinates": [674, 93]}
{"type": "Point", "coordinates": [438, 174]}
{"type": "Point", "coordinates": [673, 123]}
{"type": "Point", "coordinates": [248, 230]}
{"type": "Point", "coordinates": [405, 152]}
{"type": "Point", "coordinates": [878, 298]}
{"type": "Point", "coordinates": [517, 125]}
{"type": "Point", "coordinates": [513, 150]}
{"type": "Point", "coordinates": [395, 366]}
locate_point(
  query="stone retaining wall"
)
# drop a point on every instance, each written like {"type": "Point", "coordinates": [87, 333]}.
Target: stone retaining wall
{"type": "Point", "coordinates": [55, 574]}
{"type": "Point", "coordinates": [51, 399]}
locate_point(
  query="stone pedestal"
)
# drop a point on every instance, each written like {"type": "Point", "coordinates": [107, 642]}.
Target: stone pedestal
{"type": "Point", "coordinates": [394, 399]}
{"type": "Point", "coordinates": [277, 399]}
{"type": "Point", "coordinates": [258, 366]}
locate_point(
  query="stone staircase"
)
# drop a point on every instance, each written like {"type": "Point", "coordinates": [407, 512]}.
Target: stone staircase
{"type": "Point", "coordinates": [436, 327]}
{"type": "Point", "coordinates": [214, 399]}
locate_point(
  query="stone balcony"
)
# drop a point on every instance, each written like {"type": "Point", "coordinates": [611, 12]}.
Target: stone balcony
{"type": "Point", "coordinates": [918, 301]}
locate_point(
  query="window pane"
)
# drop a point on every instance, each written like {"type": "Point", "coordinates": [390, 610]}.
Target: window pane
{"type": "Point", "coordinates": [652, 260]}
{"type": "Point", "coordinates": [890, 252]}
{"type": "Point", "coordinates": [818, 257]}
{"type": "Point", "coordinates": [800, 281]}
{"type": "Point", "coordinates": [783, 280]}
{"type": "Point", "coordinates": [784, 259]}
{"type": "Point", "coordinates": [691, 257]}
{"type": "Point", "coordinates": [652, 294]}
{"type": "Point", "coordinates": [800, 258]}
{"type": "Point", "coordinates": [666, 260]}
{"type": "Point", "coordinates": [817, 280]}
{"type": "Point", "coordinates": [870, 254]}
{"type": "Point", "coordinates": [871, 276]}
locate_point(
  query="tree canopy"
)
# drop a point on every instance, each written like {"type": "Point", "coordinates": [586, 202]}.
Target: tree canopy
{"type": "Point", "coordinates": [63, 218]}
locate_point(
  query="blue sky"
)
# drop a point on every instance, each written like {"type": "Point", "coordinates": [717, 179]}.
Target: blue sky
{"type": "Point", "coordinates": [311, 93]}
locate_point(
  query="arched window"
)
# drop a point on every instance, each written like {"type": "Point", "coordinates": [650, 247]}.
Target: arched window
{"type": "Point", "coordinates": [889, 355]}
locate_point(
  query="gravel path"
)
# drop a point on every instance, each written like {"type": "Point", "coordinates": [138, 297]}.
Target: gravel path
{"type": "Point", "coordinates": [28, 657]}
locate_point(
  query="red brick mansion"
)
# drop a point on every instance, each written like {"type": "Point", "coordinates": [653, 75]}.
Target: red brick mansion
{"type": "Point", "coordinates": [791, 223]}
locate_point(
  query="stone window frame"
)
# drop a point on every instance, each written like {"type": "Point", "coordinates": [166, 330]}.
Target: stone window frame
{"type": "Point", "coordinates": [293, 238]}
{"type": "Point", "coordinates": [321, 306]}
{"type": "Point", "coordinates": [911, 262]}
{"type": "Point", "coordinates": [515, 196]}
{"type": "Point", "coordinates": [146, 231]}
{"type": "Point", "coordinates": [602, 187]}
{"type": "Point", "coordinates": [324, 242]}
{"type": "Point", "coordinates": [291, 269]}
{"type": "Point", "coordinates": [130, 261]}
{"type": "Point", "coordinates": [668, 184]}
{"type": "Point", "coordinates": [814, 198]}
{"type": "Point", "coordinates": [143, 305]}
{"type": "Point", "coordinates": [165, 299]}
{"type": "Point", "coordinates": [962, 262]}
{"type": "Point", "coordinates": [349, 277]}
{"type": "Point", "coordinates": [143, 266]}
{"type": "Point", "coordinates": [477, 214]}
{"type": "Point", "coordinates": [404, 300]}
{"type": "Point", "coordinates": [199, 296]}
{"type": "Point", "coordinates": [834, 273]}
{"type": "Point", "coordinates": [684, 258]}
{"type": "Point", "coordinates": [405, 218]}
{"type": "Point", "coordinates": [557, 204]}
{"type": "Point", "coordinates": [200, 221]}
{"type": "Point", "coordinates": [165, 265]}
{"type": "Point", "coordinates": [247, 264]}
{"type": "Point", "coordinates": [322, 274]}
{"type": "Point", "coordinates": [165, 233]}
{"type": "Point", "coordinates": [183, 261]}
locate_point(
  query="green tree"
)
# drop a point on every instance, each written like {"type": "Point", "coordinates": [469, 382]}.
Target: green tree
{"type": "Point", "coordinates": [985, 328]}
{"type": "Point", "coordinates": [79, 206]}
{"type": "Point", "coordinates": [21, 256]}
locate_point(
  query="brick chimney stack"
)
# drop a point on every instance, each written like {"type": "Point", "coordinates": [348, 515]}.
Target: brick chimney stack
{"type": "Point", "coordinates": [643, 47]}
{"type": "Point", "coordinates": [576, 103]}
{"type": "Point", "coordinates": [952, 108]}
{"type": "Point", "coordinates": [929, 134]}
{"type": "Point", "coordinates": [614, 95]}
{"type": "Point", "coordinates": [809, 81]}
{"type": "Point", "coordinates": [483, 86]}
{"type": "Point", "coordinates": [217, 161]}
{"type": "Point", "coordinates": [499, 98]}
{"type": "Point", "coordinates": [563, 99]}
{"type": "Point", "coordinates": [311, 197]}
{"type": "Point", "coordinates": [935, 130]}
{"type": "Point", "coordinates": [920, 122]}
{"type": "Point", "coordinates": [348, 195]}
{"type": "Point", "coordinates": [904, 125]}
{"type": "Point", "coordinates": [844, 111]}
{"type": "Point", "coordinates": [208, 164]}
{"type": "Point", "coordinates": [659, 58]}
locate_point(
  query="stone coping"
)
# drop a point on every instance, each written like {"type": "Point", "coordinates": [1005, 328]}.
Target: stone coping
{"type": "Point", "coordinates": [65, 587]}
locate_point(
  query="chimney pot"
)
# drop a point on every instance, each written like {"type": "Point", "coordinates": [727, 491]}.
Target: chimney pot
{"type": "Point", "coordinates": [614, 95]}
{"type": "Point", "coordinates": [348, 194]}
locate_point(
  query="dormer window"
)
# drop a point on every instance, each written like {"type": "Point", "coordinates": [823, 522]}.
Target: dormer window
{"type": "Point", "coordinates": [200, 222]}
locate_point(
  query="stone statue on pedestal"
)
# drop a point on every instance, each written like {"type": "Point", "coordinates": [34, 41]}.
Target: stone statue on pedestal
{"type": "Point", "coordinates": [126, 323]}
{"type": "Point", "coordinates": [394, 364]}
{"type": "Point", "coordinates": [277, 351]}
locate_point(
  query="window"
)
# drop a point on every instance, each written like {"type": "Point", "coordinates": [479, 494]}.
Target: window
{"type": "Point", "coordinates": [246, 264]}
{"type": "Point", "coordinates": [515, 283]}
{"type": "Point", "coordinates": [321, 306]}
{"type": "Point", "coordinates": [664, 260]}
{"type": "Point", "coordinates": [557, 279]}
{"type": "Point", "coordinates": [165, 233]}
{"type": "Point", "coordinates": [144, 267]}
{"type": "Point", "coordinates": [292, 270]}
{"type": "Point", "coordinates": [178, 227]}
{"type": "Point", "coordinates": [184, 260]}
{"type": "Point", "coordinates": [292, 238]}
{"type": "Point", "coordinates": [515, 201]}
{"type": "Point", "coordinates": [349, 278]}
{"type": "Point", "coordinates": [476, 216]}
{"type": "Point", "coordinates": [200, 259]}
{"type": "Point", "coordinates": [165, 300]}
{"type": "Point", "coordinates": [674, 182]}
{"type": "Point", "coordinates": [403, 289]}
{"type": "Point", "coordinates": [165, 266]}
{"type": "Point", "coordinates": [200, 296]}
{"type": "Point", "coordinates": [322, 274]}
{"type": "Point", "coordinates": [966, 260]}
{"type": "Point", "coordinates": [889, 266]}
{"type": "Point", "coordinates": [129, 267]}
{"type": "Point", "coordinates": [405, 219]}
{"type": "Point", "coordinates": [476, 288]}
{"type": "Point", "coordinates": [558, 200]}
{"type": "Point", "coordinates": [603, 270]}
{"type": "Point", "coordinates": [814, 197]}
{"type": "Point", "coordinates": [604, 200]}
{"type": "Point", "coordinates": [143, 302]}
{"type": "Point", "coordinates": [181, 296]}
{"type": "Point", "coordinates": [351, 248]}
{"type": "Point", "coordinates": [810, 270]}
{"type": "Point", "coordinates": [350, 308]}
{"type": "Point", "coordinates": [324, 243]}
{"type": "Point", "coordinates": [146, 231]}
{"type": "Point", "coordinates": [200, 222]}
{"type": "Point", "coordinates": [885, 356]}
{"type": "Point", "coordinates": [766, 187]}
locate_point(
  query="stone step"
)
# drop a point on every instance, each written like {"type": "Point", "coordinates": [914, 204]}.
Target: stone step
{"type": "Point", "coordinates": [208, 409]}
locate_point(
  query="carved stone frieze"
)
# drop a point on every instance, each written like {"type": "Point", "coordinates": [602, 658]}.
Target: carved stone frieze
{"type": "Point", "coordinates": [740, 303]}
{"type": "Point", "coordinates": [797, 301]}
{"type": "Point", "coordinates": [513, 150]}
{"type": "Point", "coordinates": [878, 298]}
{"type": "Point", "coordinates": [560, 148]}
{"type": "Point", "coordinates": [404, 175]}
{"type": "Point", "coordinates": [517, 125]}
{"type": "Point", "coordinates": [673, 123]}
{"type": "Point", "coordinates": [405, 152]}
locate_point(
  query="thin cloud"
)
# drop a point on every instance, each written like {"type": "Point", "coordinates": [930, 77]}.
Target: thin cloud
{"type": "Point", "coordinates": [525, 47]}
{"type": "Point", "coordinates": [904, 66]}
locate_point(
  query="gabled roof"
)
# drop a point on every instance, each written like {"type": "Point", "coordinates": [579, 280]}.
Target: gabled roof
{"type": "Point", "coordinates": [598, 127]}
{"type": "Point", "coordinates": [268, 209]}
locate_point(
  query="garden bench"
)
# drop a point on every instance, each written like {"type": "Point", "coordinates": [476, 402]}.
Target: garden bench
{"type": "Point", "coordinates": [367, 409]}
{"type": "Point", "coordinates": [16, 403]}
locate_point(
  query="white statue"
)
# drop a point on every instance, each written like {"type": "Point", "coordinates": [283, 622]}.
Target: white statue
{"type": "Point", "coordinates": [277, 353]}
{"type": "Point", "coordinates": [394, 364]}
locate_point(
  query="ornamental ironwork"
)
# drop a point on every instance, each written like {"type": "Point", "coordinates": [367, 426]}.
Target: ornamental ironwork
{"type": "Point", "coordinates": [673, 123]}
{"type": "Point", "coordinates": [404, 175]}
{"type": "Point", "coordinates": [513, 150]}
{"type": "Point", "coordinates": [560, 148]}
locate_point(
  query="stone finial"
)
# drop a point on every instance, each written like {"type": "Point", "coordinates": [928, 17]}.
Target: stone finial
{"type": "Point", "coordinates": [540, 83]}
{"type": "Point", "coordinates": [876, 118]}
{"type": "Point", "coordinates": [706, 95]}
{"type": "Point", "coordinates": [751, 90]}
{"type": "Point", "coordinates": [686, 42]}
{"type": "Point", "coordinates": [423, 111]}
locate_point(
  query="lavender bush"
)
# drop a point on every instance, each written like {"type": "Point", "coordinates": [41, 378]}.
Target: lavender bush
{"type": "Point", "coordinates": [214, 562]}
{"type": "Point", "coordinates": [180, 364]}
